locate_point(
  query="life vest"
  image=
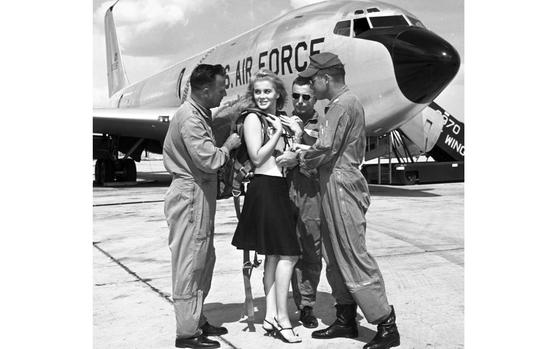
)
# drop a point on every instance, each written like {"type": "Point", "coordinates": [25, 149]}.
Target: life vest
{"type": "Point", "coordinates": [239, 169]}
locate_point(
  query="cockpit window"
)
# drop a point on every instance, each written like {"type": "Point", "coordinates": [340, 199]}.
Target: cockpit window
{"type": "Point", "coordinates": [388, 21]}
{"type": "Point", "coordinates": [360, 25]}
{"type": "Point", "coordinates": [416, 22]}
{"type": "Point", "coordinates": [363, 24]}
{"type": "Point", "coordinates": [342, 28]}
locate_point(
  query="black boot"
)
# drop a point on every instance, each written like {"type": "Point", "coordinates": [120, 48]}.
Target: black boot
{"type": "Point", "coordinates": [198, 342]}
{"type": "Point", "coordinates": [344, 326]}
{"type": "Point", "coordinates": [307, 318]}
{"type": "Point", "coordinates": [387, 335]}
{"type": "Point", "coordinates": [211, 330]}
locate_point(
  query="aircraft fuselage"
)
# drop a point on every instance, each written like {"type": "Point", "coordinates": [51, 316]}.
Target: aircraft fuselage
{"type": "Point", "coordinates": [284, 46]}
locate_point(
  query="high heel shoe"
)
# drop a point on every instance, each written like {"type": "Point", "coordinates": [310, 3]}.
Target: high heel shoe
{"type": "Point", "coordinates": [268, 331]}
{"type": "Point", "coordinates": [286, 334]}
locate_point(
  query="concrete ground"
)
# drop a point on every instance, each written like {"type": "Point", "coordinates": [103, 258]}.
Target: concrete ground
{"type": "Point", "coordinates": [414, 232]}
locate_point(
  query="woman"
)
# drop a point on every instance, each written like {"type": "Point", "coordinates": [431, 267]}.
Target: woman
{"type": "Point", "coordinates": [267, 222]}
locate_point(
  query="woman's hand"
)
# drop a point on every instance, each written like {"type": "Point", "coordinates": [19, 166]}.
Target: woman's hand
{"type": "Point", "coordinates": [293, 123]}
{"type": "Point", "coordinates": [275, 122]}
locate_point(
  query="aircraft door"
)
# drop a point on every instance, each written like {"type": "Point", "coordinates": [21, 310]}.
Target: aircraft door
{"type": "Point", "coordinates": [424, 129]}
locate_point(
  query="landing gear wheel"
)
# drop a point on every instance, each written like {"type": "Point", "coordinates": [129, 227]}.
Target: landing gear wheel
{"type": "Point", "coordinates": [104, 171]}
{"type": "Point", "coordinates": [125, 170]}
{"type": "Point", "coordinates": [129, 167]}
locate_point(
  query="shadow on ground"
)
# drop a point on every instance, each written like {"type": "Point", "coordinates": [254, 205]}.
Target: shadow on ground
{"type": "Point", "coordinates": [163, 179]}
{"type": "Point", "coordinates": [409, 191]}
{"type": "Point", "coordinates": [145, 179]}
{"type": "Point", "coordinates": [221, 314]}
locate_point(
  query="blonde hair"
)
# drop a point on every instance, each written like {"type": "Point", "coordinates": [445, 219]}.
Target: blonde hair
{"type": "Point", "coordinates": [265, 74]}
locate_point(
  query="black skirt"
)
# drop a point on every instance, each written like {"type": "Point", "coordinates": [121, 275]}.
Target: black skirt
{"type": "Point", "coordinates": [268, 220]}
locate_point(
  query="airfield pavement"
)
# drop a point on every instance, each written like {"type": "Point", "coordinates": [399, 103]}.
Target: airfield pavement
{"type": "Point", "coordinates": [414, 232]}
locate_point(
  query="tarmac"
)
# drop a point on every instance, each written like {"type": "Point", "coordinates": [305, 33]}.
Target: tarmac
{"type": "Point", "coordinates": [414, 232]}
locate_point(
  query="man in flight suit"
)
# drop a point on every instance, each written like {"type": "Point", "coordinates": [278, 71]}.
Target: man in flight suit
{"type": "Point", "coordinates": [190, 154]}
{"type": "Point", "coordinates": [352, 272]}
{"type": "Point", "coordinates": [304, 194]}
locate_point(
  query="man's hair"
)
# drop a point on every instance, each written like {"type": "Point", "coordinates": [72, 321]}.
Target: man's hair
{"type": "Point", "coordinates": [204, 75]}
{"type": "Point", "coordinates": [301, 81]}
{"type": "Point", "coordinates": [265, 74]}
{"type": "Point", "coordinates": [337, 72]}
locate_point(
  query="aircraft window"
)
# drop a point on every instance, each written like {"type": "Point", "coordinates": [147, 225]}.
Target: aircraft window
{"type": "Point", "coordinates": [388, 21]}
{"type": "Point", "coordinates": [359, 12]}
{"type": "Point", "coordinates": [342, 28]}
{"type": "Point", "coordinates": [360, 25]}
{"type": "Point", "coordinates": [416, 22]}
{"type": "Point", "coordinates": [369, 10]}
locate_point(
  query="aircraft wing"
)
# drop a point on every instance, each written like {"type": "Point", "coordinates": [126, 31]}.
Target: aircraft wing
{"type": "Point", "coordinates": [148, 123]}
{"type": "Point", "coordinates": [152, 123]}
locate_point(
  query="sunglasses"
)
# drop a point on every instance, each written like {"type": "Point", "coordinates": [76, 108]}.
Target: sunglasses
{"type": "Point", "coordinates": [297, 95]}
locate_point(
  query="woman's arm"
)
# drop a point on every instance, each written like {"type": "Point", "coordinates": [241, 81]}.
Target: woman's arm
{"type": "Point", "coordinates": [252, 133]}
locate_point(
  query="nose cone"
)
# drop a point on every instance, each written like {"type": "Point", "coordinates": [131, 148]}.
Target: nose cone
{"type": "Point", "coordinates": [424, 64]}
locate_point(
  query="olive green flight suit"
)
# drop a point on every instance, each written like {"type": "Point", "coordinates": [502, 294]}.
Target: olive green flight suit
{"type": "Point", "coordinates": [352, 272]}
{"type": "Point", "coordinates": [191, 156]}
{"type": "Point", "coordinates": [304, 194]}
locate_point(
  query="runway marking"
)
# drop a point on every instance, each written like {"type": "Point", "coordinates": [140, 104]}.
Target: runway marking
{"type": "Point", "coordinates": [153, 288]}
{"type": "Point", "coordinates": [128, 203]}
{"type": "Point", "coordinates": [419, 252]}
{"type": "Point", "coordinates": [228, 342]}
{"type": "Point", "coordinates": [424, 247]}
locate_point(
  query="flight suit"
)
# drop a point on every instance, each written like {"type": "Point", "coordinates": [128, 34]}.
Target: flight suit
{"type": "Point", "coordinates": [351, 271]}
{"type": "Point", "coordinates": [304, 194]}
{"type": "Point", "coordinates": [191, 156]}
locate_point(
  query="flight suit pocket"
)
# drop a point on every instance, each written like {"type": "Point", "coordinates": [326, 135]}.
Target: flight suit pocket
{"type": "Point", "coordinates": [365, 193]}
{"type": "Point", "coordinates": [356, 189]}
{"type": "Point", "coordinates": [188, 195]}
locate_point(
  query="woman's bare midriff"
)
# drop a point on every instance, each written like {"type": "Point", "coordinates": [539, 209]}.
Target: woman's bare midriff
{"type": "Point", "coordinates": [269, 168]}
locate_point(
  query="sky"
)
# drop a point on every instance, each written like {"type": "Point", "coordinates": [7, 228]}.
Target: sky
{"type": "Point", "coordinates": [154, 34]}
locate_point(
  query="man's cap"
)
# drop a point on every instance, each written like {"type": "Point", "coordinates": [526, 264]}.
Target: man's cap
{"type": "Point", "coordinates": [320, 61]}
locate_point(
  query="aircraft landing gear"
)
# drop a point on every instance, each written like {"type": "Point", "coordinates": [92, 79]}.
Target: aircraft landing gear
{"type": "Point", "coordinates": [104, 171]}
{"type": "Point", "coordinates": [125, 170]}
{"type": "Point", "coordinates": [121, 170]}
{"type": "Point", "coordinates": [108, 167]}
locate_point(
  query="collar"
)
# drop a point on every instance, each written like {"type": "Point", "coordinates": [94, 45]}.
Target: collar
{"type": "Point", "coordinates": [314, 116]}
{"type": "Point", "coordinates": [333, 100]}
{"type": "Point", "coordinates": [205, 112]}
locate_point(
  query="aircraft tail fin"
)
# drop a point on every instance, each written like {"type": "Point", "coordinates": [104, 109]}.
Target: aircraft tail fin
{"type": "Point", "coordinates": [116, 75]}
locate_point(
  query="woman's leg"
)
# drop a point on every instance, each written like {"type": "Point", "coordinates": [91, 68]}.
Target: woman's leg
{"type": "Point", "coordinates": [270, 265]}
{"type": "Point", "coordinates": [283, 277]}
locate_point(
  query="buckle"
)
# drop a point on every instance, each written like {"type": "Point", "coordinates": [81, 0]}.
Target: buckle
{"type": "Point", "coordinates": [256, 261]}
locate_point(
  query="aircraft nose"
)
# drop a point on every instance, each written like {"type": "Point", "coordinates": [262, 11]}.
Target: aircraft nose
{"type": "Point", "coordinates": [424, 64]}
